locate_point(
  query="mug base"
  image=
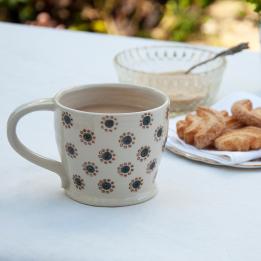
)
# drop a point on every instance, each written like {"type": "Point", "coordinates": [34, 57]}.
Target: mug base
{"type": "Point", "coordinates": [114, 202]}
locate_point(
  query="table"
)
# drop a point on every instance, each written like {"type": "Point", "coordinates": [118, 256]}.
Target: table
{"type": "Point", "coordinates": [201, 212]}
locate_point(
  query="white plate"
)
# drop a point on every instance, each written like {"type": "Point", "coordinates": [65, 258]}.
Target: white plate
{"type": "Point", "coordinates": [245, 165]}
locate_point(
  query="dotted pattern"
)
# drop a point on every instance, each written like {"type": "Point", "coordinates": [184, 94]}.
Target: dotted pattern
{"type": "Point", "coordinates": [107, 156]}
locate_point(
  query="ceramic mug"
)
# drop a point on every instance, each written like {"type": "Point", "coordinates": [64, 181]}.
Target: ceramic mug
{"type": "Point", "coordinates": [107, 159]}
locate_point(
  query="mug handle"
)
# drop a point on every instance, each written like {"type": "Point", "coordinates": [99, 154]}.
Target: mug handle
{"type": "Point", "coordinates": [20, 148]}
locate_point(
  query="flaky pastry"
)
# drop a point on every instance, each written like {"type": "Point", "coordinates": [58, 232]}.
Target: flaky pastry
{"type": "Point", "coordinates": [232, 122]}
{"type": "Point", "coordinates": [244, 139]}
{"type": "Point", "coordinates": [202, 128]}
{"type": "Point", "coordinates": [244, 112]}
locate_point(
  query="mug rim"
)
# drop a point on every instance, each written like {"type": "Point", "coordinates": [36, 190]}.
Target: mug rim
{"type": "Point", "coordinates": [62, 92]}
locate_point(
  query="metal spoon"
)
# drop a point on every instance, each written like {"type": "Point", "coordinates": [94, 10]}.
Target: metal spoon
{"type": "Point", "coordinates": [230, 51]}
{"type": "Point", "coordinates": [236, 49]}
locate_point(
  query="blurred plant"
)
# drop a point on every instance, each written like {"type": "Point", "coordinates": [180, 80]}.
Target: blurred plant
{"type": "Point", "coordinates": [257, 4]}
{"type": "Point", "coordinates": [163, 19]}
{"type": "Point", "coordinates": [182, 19]}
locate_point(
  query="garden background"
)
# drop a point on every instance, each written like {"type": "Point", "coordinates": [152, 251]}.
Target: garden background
{"type": "Point", "coordinates": [215, 22]}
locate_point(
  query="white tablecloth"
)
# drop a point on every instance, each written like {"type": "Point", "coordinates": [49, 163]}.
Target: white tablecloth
{"type": "Point", "coordinates": [201, 212]}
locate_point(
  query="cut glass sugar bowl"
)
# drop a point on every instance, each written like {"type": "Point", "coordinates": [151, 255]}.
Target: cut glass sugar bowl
{"type": "Point", "coordinates": [163, 67]}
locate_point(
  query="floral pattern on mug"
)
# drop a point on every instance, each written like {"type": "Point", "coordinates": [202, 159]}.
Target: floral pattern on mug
{"type": "Point", "coordinates": [106, 156]}
{"type": "Point", "coordinates": [125, 169]}
{"type": "Point", "coordinates": [126, 140]}
{"type": "Point", "coordinates": [158, 134]}
{"type": "Point", "coordinates": [67, 120]}
{"type": "Point", "coordinates": [71, 150]}
{"type": "Point", "coordinates": [143, 153]}
{"type": "Point", "coordinates": [87, 137]}
{"type": "Point", "coordinates": [146, 120]}
{"type": "Point", "coordinates": [151, 166]}
{"type": "Point", "coordinates": [106, 185]}
{"type": "Point", "coordinates": [78, 182]}
{"type": "Point", "coordinates": [90, 168]}
{"type": "Point", "coordinates": [109, 123]}
{"type": "Point", "coordinates": [135, 184]}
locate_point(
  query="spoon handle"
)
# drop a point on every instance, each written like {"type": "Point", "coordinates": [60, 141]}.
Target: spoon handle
{"type": "Point", "coordinates": [230, 51]}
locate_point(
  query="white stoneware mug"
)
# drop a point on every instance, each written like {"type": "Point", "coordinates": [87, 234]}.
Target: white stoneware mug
{"type": "Point", "coordinates": [107, 159]}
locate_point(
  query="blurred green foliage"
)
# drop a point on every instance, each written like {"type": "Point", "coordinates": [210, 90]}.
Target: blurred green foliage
{"type": "Point", "coordinates": [257, 4]}
{"type": "Point", "coordinates": [163, 19]}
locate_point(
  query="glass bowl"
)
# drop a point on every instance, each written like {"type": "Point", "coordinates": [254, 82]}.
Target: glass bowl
{"type": "Point", "coordinates": [161, 67]}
